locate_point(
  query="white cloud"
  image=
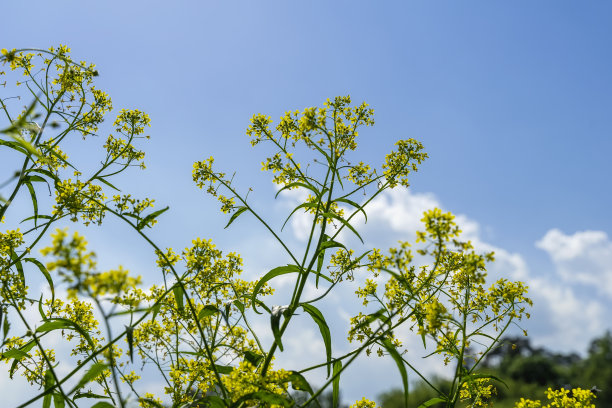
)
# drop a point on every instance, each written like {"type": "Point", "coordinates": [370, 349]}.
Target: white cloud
{"type": "Point", "coordinates": [584, 258]}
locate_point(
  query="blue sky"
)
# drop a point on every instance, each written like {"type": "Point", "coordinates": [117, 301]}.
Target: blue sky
{"type": "Point", "coordinates": [512, 101]}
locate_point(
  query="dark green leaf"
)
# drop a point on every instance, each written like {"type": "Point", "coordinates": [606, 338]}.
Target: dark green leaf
{"type": "Point", "coordinates": [103, 180]}
{"type": "Point", "coordinates": [319, 319]}
{"type": "Point", "coordinates": [58, 400]}
{"type": "Point", "coordinates": [221, 369]}
{"type": "Point", "coordinates": [433, 401]}
{"type": "Point", "coordinates": [235, 215]}
{"type": "Point", "coordinates": [208, 310]}
{"type": "Point", "coordinates": [303, 205]}
{"type": "Point", "coordinates": [45, 273]}
{"type": "Point", "coordinates": [277, 312]}
{"type": "Point", "coordinates": [264, 396]}
{"type": "Point", "coordinates": [386, 343]}
{"type": "Point", "coordinates": [102, 404]}
{"type": "Point", "coordinates": [146, 220]}
{"type": "Point", "coordinates": [299, 184]}
{"type": "Point", "coordinates": [211, 401]}
{"type": "Point", "coordinates": [344, 222]}
{"type": "Point", "coordinates": [49, 383]}
{"type": "Point", "coordinates": [354, 204]}
{"type": "Point", "coordinates": [129, 334]}
{"type": "Point", "coordinates": [94, 371]}
{"type": "Point", "coordinates": [179, 296]}
{"type": "Point", "coordinates": [336, 383]}
{"type": "Point", "coordinates": [252, 357]}
{"type": "Point", "coordinates": [281, 270]}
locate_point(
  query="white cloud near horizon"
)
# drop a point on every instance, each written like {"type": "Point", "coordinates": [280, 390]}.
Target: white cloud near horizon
{"type": "Point", "coordinates": [584, 258]}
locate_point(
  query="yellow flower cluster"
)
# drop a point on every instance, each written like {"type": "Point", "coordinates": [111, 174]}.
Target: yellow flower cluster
{"type": "Point", "coordinates": [364, 403]}
{"type": "Point", "coordinates": [576, 398]}
{"type": "Point", "coordinates": [478, 392]}
{"type": "Point", "coordinates": [79, 198]}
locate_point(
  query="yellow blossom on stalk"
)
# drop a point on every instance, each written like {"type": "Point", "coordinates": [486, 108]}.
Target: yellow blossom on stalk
{"type": "Point", "coordinates": [364, 403]}
{"type": "Point", "coordinates": [575, 398]}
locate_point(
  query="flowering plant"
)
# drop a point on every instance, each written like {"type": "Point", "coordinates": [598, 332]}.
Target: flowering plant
{"type": "Point", "coordinates": [195, 328]}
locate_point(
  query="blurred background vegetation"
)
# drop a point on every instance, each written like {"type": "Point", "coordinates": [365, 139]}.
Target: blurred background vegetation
{"type": "Point", "coordinates": [528, 371]}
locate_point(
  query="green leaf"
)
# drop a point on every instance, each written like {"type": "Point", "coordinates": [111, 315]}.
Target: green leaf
{"type": "Point", "coordinates": [336, 383]}
{"type": "Point", "coordinates": [102, 404]}
{"type": "Point", "coordinates": [89, 395]}
{"type": "Point", "coordinates": [344, 222]}
{"type": "Point", "coordinates": [94, 371]}
{"type": "Point", "coordinates": [386, 343]}
{"type": "Point", "coordinates": [298, 382]}
{"type": "Point", "coordinates": [235, 215]}
{"type": "Point", "coordinates": [129, 334]}
{"type": "Point", "coordinates": [281, 270]}
{"type": "Point", "coordinates": [19, 353]}
{"type": "Point", "coordinates": [211, 401]}
{"type": "Point", "coordinates": [208, 310]}
{"type": "Point", "coordinates": [56, 323]}
{"type": "Point", "coordinates": [264, 396]}
{"type": "Point", "coordinates": [253, 358]}
{"type": "Point", "coordinates": [303, 205]}
{"type": "Point", "coordinates": [49, 383]}
{"type": "Point", "coordinates": [5, 328]}
{"type": "Point", "coordinates": [221, 369]}
{"type": "Point", "coordinates": [146, 220]}
{"type": "Point", "coordinates": [299, 184]}
{"type": "Point", "coordinates": [103, 180]}
{"type": "Point", "coordinates": [179, 296]}
{"type": "Point", "coordinates": [53, 325]}
{"type": "Point", "coordinates": [45, 273]}
{"type": "Point", "coordinates": [354, 204]}
{"type": "Point", "coordinates": [58, 400]}
{"type": "Point", "coordinates": [433, 401]}
{"type": "Point", "coordinates": [319, 319]}
{"type": "Point", "coordinates": [152, 402]}
{"type": "Point", "coordinates": [277, 312]}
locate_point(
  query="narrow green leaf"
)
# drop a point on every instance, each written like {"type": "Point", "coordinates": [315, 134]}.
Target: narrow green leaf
{"type": "Point", "coordinates": [53, 325]}
{"type": "Point", "coordinates": [102, 404]}
{"type": "Point", "coordinates": [235, 215]}
{"type": "Point", "coordinates": [56, 323]}
{"type": "Point", "coordinates": [89, 395]}
{"type": "Point", "coordinates": [299, 184]}
{"type": "Point", "coordinates": [103, 180]}
{"type": "Point", "coordinates": [221, 369]}
{"type": "Point", "coordinates": [277, 312]}
{"type": "Point", "coordinates": [129, 334]}
{"type": "Point", "coordinates": [336, 383]}
{"type": "Point", "coordinates": [386, 343]}
{"type": "Point", "coordinates": [433, 401]}
{"type": "Point", "coordinates": [303, 205]}
{"type": "Point", "coordinates": [354, 204]}
{"type": "Point", "coordinates": [211, 401]}
{"type": "Point", "coordinates": [208, 310]}
{"type": "Point", "coordinates": [94, 371]}
{"type": "Point", "coordinates": [5, 328]}
{"type": "Point", "coordinates": [298, 382]}
{"type": "Point", "coordinates": [58, 400]}
{"type": "Point", "coordinates": [253, 358]}
{"type": "Point", "coordinates": [45, 273]}
{"type": "Point", "coordinates": [143, 223]}
{"type": "Point", "coordinates": [152, 402]}
{"type": "Point", "coordinates": [267, 397]}
{"type": "Point", "coordinates": [319, 319]}
{"type": "Point", "coordinates": [49, 383]}
{"type": "Point", "coordinates": [281, 270]}
{"type": "Point", "coordinates": [344, 222]}
{"type": "Point", "coordinates": [179, 296]}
